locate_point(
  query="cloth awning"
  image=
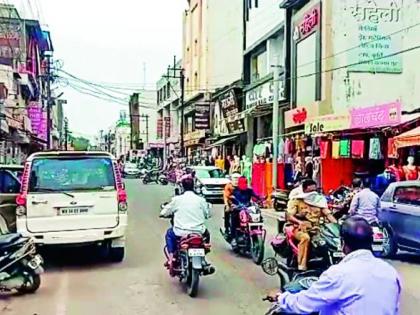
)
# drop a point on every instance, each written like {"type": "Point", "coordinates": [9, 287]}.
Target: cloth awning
{"type": "Point", "coordinates": [408, 139]}
{"type": "Point", "coordinates": [221, 141]}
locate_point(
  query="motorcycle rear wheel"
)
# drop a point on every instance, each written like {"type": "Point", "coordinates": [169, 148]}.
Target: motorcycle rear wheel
{"type": "Point", "coordinates": [257, 249]}
{"type": "Point", "coordinates": [33, 285]}
{"type": "Point", "coordinates": [193, 282]}
{"type": "Point", "coordinates": [145, 180]}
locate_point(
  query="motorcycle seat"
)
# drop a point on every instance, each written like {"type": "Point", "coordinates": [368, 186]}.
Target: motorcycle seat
{"type": "Point", "coordinates": [8, 239]}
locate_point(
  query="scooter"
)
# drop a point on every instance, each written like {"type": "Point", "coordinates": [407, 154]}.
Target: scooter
{"type": "Point", "coordinates": [289, 281]}
{"type": "Point", "coordinates": [155, 176]}
{"type": "Point", "coordinates": [20, 265]}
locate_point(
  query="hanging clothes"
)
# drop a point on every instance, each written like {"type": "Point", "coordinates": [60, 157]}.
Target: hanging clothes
{"type": "Point", "coordinates": [281, 147]}
{"type": "Point", "coordinates": [345, 148]}
{"type": "Point", "coordinates": [392, 150]}
{"type": "Point", "coordinates": [375, 149]}
{"type": "Point", "coordinates": [358, 149]}
{"type": "Point", "coordinates": [287, 146]}
{"type": "Point", "coordinates": [324, 149]}
{"type": "Point", "coordinates": [336, 149]}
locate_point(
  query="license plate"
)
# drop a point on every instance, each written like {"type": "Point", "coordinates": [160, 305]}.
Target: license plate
{"type": "Point", "coordinates": [73, 211]}
{"type": "Point", "coordinates": [196, 252]}
{"type": "Point", "coordinates": [35, 262]}
{"type": "Point", "coordinates": [338, 254]}
{"type": "Point", "coordinates": [377, 248]}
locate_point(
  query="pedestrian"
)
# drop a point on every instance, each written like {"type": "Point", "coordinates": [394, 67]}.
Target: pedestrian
{"type": "Point", "coordinates": [365, 203]}
{"type": "Point", "coordinates": [359, 284]}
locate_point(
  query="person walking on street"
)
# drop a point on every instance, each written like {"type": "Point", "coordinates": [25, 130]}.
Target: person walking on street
{"type": "Point", "coordinates": [360, 284]}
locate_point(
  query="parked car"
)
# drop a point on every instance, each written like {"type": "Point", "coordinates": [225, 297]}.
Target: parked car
{"type": "Point", "coordinates": [131, 171]}
{"type": "Point", "coordinates": [9, 189]}
{"type": "Point", "coordinates": [400, 215]}
{"type": "Point", "coordinates": [210, 181]}
{"type": "Point", "coordinates": [74, 198]}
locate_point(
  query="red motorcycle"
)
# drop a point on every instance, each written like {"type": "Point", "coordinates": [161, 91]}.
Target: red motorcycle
{"type": "Point", "coordinates": [190, 262]}
{"type": "Point", "coordinates": [250, 234]}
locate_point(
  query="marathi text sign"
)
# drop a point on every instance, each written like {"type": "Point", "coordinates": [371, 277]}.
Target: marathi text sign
{"type": "Point", "coordinates": [376, 116]}
{"type": "Point", "coordinates": [377, 39]}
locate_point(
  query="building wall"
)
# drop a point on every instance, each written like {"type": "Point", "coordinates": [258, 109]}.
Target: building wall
{"type": "Point", "coordinates": [122, 140]}
{"type": "Point", "coordinates": [363, 89]}
{"type": "Point", "coordinates": [262, 20]}
{"type": "Point", "coordinates": [225, 42]}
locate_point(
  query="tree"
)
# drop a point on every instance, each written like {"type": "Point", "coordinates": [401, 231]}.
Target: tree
{"type": "Point", "coordinates": [80, 144]}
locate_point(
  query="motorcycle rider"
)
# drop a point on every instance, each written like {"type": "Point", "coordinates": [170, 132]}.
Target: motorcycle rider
{"type": "Point", "coordinates": [227, 194]}
{"type": "Point", "coordinates": [242, 196]}
{"type": "Point", "coordinates": [359, 284]}
{"type": "Point", "coordinates": [190, 212]}
{"type": "Point", "coordinates": [304, 211]}
{"type": "Point", "coordinates": [365, 203]}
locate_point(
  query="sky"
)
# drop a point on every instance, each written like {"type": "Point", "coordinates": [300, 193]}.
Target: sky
{"type": "Point", "coordinates": [108, 41]}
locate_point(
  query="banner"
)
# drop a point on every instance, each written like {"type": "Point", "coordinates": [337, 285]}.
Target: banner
{"type": "Point", "coordinates": [202, 116]}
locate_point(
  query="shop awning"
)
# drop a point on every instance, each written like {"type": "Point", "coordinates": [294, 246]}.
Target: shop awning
{"type": "Point", "coordinates": [20, 137]}
{"type": "Point", "coordinates": [222, 141]}
{"type": "Point", "coordinates": [408, 139]}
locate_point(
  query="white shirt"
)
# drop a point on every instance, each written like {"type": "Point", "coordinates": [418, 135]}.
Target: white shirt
{"type": "Point", "coordinates": [190, 212]}
{"type": "Point", "coordinates": [359, 285]}
{"type": "Point", "coordinates": [296, 192]}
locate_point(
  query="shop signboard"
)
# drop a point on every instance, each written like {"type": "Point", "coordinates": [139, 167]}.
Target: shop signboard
{"type": "Point", "coordinates": [202, 116]}
{"type": "Point", "coordinates": [159, 128]}
{"type": "Point", "coordinates": [376, 116]}
{"type": "Point", "coordinates": [377, 38]}
{"type": "Point", "coordinates": [230, 109]}
{"type": "Point", "coordinates": [308, 24]}
{"type": "Point", "coordinates": [300, 115]}
{"type": "Point", "coordinates": [35, 115]}
{"type": "Point", "coordinates": [327, 123]}
{"type": "Point", "coordinates": [167, 127]}
{"type": "Point", "coordinates": [195, 135]}
{"type": "Point", "coordinates": [10, 37]}
{"type": "Point", "coordinates": [264, 94]}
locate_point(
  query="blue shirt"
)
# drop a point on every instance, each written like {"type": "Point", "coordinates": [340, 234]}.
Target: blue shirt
{"type": "Point", "coordinates": [360, 284]}
{"type": "Point", "coordinates": [365, 204]}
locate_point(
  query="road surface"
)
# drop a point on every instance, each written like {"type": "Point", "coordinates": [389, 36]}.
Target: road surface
{"type": "Point", "coordinates": [77, 283]}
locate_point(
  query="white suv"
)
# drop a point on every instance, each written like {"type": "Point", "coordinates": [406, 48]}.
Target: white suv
{"type": "Point", "coordinates": [73, 198]}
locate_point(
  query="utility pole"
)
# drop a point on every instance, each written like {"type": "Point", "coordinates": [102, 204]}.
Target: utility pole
{"type": "Point", "coordinates": [49, 101]}
{"type": "Point", "coordinates": [276, 97]}
{"type": "Point", "coordinates": [181, 77]}
{"type": "Point", "coordinates": [66, 133]}
{"type": "Point", "coordinates": [146, 119]}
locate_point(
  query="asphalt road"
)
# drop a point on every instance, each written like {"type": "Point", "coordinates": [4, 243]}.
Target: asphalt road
{"type": "Point", "coordinates": [77, 283]}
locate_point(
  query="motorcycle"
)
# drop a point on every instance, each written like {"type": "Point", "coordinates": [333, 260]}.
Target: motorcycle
{"type": "Point", "coordinates": [154, 176]}
{"type": "Point", "coordinates": [250, 234]}
{"type": "Point", "coordinates": [289, 281]}
{"type": "Point", "coordinates": [189, 261]}
{"type": "Point", "coordinates": [325, 249]}
{"type": "Point", "coordinates": [20, 265]}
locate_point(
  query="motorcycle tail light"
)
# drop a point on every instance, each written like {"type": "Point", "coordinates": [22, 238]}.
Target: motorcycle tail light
{"type": "Point", "coordinates": [195, 241]}
{"type": "Point", "coordinates": [378, 236]}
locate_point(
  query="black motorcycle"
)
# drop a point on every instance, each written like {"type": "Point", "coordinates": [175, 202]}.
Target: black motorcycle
{"type": "Point", "coordinates": [325, 249]}
{"type": "Point", "coordinates": [289, 281]}
{"type": "Point", "coordinates": [20, 265]}
{"type": "Point", "coordinates": [155, 176]}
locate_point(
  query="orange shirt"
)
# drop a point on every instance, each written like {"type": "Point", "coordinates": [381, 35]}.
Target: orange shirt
{"type": "Point", "coordinates": [227, 193]}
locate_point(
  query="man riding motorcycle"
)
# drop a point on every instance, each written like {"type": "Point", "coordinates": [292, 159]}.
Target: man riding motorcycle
{"type": "Point", "coordinates": [365, 203]}
{"type": "Point", "coordinates": [304, 211]}
{"type": "Point", "coordinates": [242, 195]}
{"type": "Point", "coordinates": [190, 212]}
{"type": "Point", "coordinates": [227, 194]}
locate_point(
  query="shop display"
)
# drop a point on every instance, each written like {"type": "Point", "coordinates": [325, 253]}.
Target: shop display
{"type": "Point", "coordinates": [411, 171]}
{"type": "Point", "coordinates": [358, 149]}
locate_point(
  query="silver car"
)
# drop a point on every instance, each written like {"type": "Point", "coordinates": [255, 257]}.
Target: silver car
{"type": "Point", "coordinates": [210, 181]}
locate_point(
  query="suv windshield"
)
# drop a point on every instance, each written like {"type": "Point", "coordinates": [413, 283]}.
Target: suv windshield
{"type": "Point", "coordinates": [58, 174]}
{"type": "Point", "coordinates": [210, 173]}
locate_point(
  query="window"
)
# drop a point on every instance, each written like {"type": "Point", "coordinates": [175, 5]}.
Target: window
{"type": "Point", "coordinates": [212, 173]}
{"type": "Point", "coordinates": [168, 90]}
{"type": "Point", "coordinates": [259, 66]}
{"type": "Point", "coordinates": [408, 195]}
{"type": "Point", "coordinates": [9, 184]}
{"type": "Point", "coordinates": [82, 174]}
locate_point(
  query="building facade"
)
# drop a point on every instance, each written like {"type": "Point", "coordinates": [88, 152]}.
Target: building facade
{"type": "Point", "coordinates": [23, 46]}
{"type": "Point", "coordinates": [122, 143]}
{"type": "Point", "coordinates": [264, 50]}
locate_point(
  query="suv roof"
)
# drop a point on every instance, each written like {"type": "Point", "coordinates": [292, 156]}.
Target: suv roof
{"type": "Point", "coordinates": [48, 154]}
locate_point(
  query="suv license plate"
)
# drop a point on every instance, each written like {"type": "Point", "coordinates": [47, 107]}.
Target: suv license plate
{"type": "Point", "coordinates": [196, 252]}
{"type": "Point", "coordinates": [73, 211]}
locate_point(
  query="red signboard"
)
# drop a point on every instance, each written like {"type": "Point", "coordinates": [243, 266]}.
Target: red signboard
{"type": "Point", "coordinates": [159, 128]}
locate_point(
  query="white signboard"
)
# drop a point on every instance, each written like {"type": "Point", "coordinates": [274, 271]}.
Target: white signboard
{"type": "Point", "coordinates": [263, 94]}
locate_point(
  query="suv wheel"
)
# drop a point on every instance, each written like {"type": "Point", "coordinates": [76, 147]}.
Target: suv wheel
{"type": "Point", "coordinates": [116, 254]}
